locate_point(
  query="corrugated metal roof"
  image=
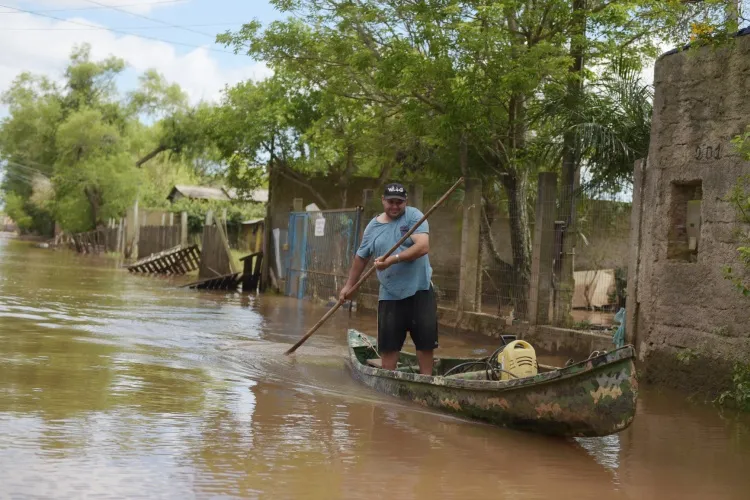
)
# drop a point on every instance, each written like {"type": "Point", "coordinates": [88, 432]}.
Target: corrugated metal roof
{"type": "Point", "coordinates": [210, 193]}
{"type": "Point", "coordinates": [252, 222]}
{"type": "Point", "coordinates": [257, 195]}
{"type": "Point", "coordinates": [200, 192]}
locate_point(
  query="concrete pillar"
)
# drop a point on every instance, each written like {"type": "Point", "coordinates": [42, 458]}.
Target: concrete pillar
{"type": "Point", "coordinates": [163, 219]}
{"type": "Point", "coordinates": [183, 228]}
{"type": "Point", "coordinates": [634, 259]}
{"type": "Point", "coordinates": [468, 291]}
{"type": "Point", "coordinates": [564, 278]}
{"type": "Point", "coordinates": [171, 218]}
{"type": "Point", "coordinates": [542, 252]}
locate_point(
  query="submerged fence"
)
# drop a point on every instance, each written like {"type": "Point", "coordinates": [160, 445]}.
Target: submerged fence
{"type": "Point", "coordinates": [97, 241]}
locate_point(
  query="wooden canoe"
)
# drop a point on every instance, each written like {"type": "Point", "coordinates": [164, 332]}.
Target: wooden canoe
{"type": "Point", "coordinates": [595, 397]}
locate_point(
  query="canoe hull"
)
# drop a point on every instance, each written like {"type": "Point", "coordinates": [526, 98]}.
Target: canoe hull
{"type": "Point", "coordinates": [596, 397]}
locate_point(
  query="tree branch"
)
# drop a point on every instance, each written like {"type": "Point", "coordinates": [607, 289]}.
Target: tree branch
{"type": "Point", "coordinates": [486, 231]}
{"type": "Point", "coordinates": [300, 180]}
{"type": "Point", "coordinates": [159, 149]}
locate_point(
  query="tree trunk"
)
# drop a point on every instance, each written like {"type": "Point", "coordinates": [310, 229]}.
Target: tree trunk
{"type": "Point", "coordinates": [346, 175]}
{"type": "Point", "coordinates": [515, 187]}
{"type": "Point", "coordinates": [93, 197]}
{"type": "Point", "coordinates": [565, 284]}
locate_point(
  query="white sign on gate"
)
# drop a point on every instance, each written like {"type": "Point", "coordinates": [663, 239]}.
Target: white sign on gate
{"type": "Point", "coordinates": [320, 226]}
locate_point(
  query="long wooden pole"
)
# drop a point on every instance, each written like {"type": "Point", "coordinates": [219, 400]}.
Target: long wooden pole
{"type": "Point", "coordinates": [370, 271]}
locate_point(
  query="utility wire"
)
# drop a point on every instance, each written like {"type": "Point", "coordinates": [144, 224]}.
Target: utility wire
{"type": "Point", "coordinates": [105, 29]}
{"type": "Point", "coordinates": [94, 2]}
{"type": "Point", "coordinates": [34, 13]}
{"type": "Point", "coordinates": [32, 169]}
{"type": "Point", "coordinates": [98, 8]}
{"type": "Point", "coordinates": [118, 9]}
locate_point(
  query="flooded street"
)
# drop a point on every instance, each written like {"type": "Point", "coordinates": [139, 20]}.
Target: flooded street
{"type": "Point", "coordinates": [114, 386]}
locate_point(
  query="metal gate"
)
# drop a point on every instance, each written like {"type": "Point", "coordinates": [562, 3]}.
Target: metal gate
{"type": "Point", "coordinates": [321, 247]}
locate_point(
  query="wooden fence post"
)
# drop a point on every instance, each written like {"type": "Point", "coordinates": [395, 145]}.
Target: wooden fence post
{"type": "Point", "coordinates": [118, 240]}
{"type": "Point", "coordinates": [183, 228]}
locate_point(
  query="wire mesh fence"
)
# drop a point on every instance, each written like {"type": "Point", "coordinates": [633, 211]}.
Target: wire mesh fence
{"type": "Point", "coordinates": [321, 246]}
{"type": "Point", "coordinates": [446, 225]}
{"type": "Point", "coordinates": [505, 256]}
{"type": "Point", "coordinates": [543, 255]}
{"type": "Point", "coordinates": [601, 258]}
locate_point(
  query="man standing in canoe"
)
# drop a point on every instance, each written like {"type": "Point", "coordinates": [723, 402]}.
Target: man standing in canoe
{"type": "Point", "coordinates": [406, 299]}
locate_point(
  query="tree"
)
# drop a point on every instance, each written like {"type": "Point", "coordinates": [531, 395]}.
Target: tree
{"type": "Point", "coordinates": [467, 78]}
{"type": "Point", "coordinates": [93, 166]}
{"type": "Point", "coordinates": [70, 151]}
{"type": "Point", "coordinates": [286, 126]}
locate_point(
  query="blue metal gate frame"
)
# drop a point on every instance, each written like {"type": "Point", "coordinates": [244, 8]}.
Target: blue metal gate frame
{"type": "Point", "coordinates": [301, 256]}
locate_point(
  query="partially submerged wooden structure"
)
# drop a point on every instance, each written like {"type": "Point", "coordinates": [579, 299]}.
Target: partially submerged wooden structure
{"type": "Point", "coordinates": [177, 260]}
{"type": "Point", "coordinates": [99, 240]}
{"type": "Point", "coordinates": [229, 281]}
{"type": "Point", "coordinates": [251, 271]}
{"type": "Point", "coordinates": [249, 278]}
{"type": "Point", "coordinates": [217, 269]}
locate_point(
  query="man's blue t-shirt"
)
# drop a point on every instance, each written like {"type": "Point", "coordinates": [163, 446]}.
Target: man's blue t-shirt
{"type": "Point", "coordinates": [403, 279]}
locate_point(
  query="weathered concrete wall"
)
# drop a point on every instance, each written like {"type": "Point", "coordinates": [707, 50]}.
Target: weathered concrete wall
{"type": "Point", "coordinates": [689, 323]}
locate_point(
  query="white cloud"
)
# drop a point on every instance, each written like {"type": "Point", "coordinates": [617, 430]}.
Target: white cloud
{"type": "Point", "coordinates": [35, 49]}
{"type": "Point", "coordinates": [137, 6]}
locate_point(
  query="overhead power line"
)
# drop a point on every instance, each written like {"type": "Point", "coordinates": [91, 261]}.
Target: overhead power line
{"type": "Point", "coordinates": [161, 2]}
{"type": "Point", "coordinates": [113, 30]}
{"type": "Point", "coordinates": [94, 2]}
{"type": "Point", "coordinates": [101, 28]}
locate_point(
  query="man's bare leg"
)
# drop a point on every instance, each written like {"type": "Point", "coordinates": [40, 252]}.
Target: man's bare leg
{"type": "Point", "coordinates": [425, 362]}
{"type": "Point", "coordinates": [390, 360]}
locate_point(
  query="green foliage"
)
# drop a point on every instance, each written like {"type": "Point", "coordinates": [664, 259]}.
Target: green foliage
{"type": "Point", "coordinates": [72, 152]}
{"type": "Point", "coordinates": [741, 143]}
{"type": "Point", "coordinates": [686, 356]}
{"type": "Point", "coordinates": [433, 90]}
{"type": "Point", "coordinates": [15, 210]}
{"type": "Point", "coordinates": [739, 197]}
{"type": "Point", "coordinates": [738, 396]}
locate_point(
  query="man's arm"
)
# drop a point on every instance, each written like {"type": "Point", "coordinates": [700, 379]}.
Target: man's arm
{"type": "Point", "coordinates": [355, 272]}
{"type": "Point", "coordinates": [420, 248]}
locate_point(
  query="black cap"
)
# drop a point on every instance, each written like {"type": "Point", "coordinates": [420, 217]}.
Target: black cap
{"type": "Point", "coordinates": [394, 190]}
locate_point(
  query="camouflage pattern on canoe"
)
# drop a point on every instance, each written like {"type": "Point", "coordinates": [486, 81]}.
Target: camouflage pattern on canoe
{"type": "Point", "coordinates": [595, 397]}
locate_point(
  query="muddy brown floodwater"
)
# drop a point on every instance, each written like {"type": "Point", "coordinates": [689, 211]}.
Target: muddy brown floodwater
{"type": "Point", "coordinates": [121, 386]}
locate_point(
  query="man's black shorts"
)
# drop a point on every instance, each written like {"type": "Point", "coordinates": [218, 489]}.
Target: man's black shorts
{"type": "Point", "coordinates": [416, 314]}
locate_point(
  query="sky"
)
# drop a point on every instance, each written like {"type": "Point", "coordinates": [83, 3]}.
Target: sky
{"type": "Point", "coordinates": [42, 45]}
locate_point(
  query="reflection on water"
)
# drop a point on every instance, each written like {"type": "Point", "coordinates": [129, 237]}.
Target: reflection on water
{"type": "Point", "coordinates": [116, 385]}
